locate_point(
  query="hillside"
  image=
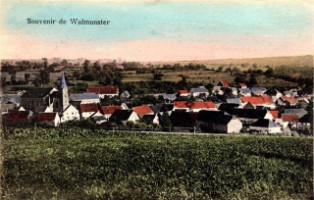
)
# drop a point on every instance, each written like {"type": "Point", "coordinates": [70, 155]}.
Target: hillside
{"type": "Point", "coordinates": [301, 61]}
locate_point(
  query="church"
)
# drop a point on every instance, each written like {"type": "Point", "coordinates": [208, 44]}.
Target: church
{"type": "Point", "coordinates": [62, 104]}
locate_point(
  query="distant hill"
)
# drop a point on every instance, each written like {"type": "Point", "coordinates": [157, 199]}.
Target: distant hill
{"type": "Point", "coordinates": [301, 61]}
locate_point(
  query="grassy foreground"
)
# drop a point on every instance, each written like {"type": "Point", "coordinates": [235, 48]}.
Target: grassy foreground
{"type": "Point", "coordinates": [94, 164]}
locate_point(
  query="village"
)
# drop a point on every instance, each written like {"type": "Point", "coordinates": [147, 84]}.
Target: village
{"type": "Point", "coordinates": [244, 110]}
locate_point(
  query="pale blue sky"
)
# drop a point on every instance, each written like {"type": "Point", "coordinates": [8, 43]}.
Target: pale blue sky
{"type": "Point", "coordinates": [197, 22]}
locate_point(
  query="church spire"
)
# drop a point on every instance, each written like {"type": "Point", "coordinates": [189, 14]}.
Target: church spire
{"type": "Point", "coordinates": [64, 93]}
{"type": "Point", "coordinates": [63, 82]}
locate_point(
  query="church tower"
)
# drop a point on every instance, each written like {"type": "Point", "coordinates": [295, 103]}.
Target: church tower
{"type": "Point", "coordinates": [64, 93]}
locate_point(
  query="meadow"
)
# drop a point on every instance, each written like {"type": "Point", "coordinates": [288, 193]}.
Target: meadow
{"type": "Point", "coordinates": [75, 163]}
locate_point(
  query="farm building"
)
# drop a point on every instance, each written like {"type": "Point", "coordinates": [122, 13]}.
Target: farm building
{"type": "Point", "coordinates": [48, 119]}
{"type": "Point", "coordinates": [217, 122]}
{"type": "Point", "coordinates": [37, 99]}
{"type": "Point", "coordinates": [70, 114]}
{"type": "Point", "coordinates": [124, 116]}
{"type": "Point", "coordinates": [87, 110]}
{"type": "Point", "coordinates": [84, 98]}
{"type": "Point", "coordinates": [104, 91]}
{"type": "Point", "coordinates": [265, 126]}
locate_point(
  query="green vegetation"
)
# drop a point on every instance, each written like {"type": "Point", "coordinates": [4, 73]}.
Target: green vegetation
{"type": "Point", "coordinates": [76, 163]}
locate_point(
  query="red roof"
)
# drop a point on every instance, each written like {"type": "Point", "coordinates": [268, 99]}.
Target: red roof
{"type": "Point", "coordinates": [19, 115]}
{"type": "Point", "coordinates": [289, 99]}
{"type": "Point", "coordinates": [183, 91]}
{"type": "Point", "coordinates": [103, 89]}
{"type": "Point", "coordinates": [89, 107]}
{"type": "Point", "coordinates": [194, 105]}
{"type": "Point", "coordinates": [142, 110]}
{"type": "Point", "coordinates": [252, 100]}
{"type": "Point", "coordinates": [267, 99]}
{"type": "Point", "coordinates": [200, 105]}
{"type": "Point", "coordinates": [46, 117]}
{"type": "Point", "coordinates": [257, 100]}
{"type": "Point", "coordinates": [274, 113]}
{"type": "Point", "coordinates": [180, 104]}
{"type": "Point", "coordinates": [224, 83]}
{"type": "Point", "coordinates": [290, 117]}
{"type": "Point", "coordinates": [108, 110]}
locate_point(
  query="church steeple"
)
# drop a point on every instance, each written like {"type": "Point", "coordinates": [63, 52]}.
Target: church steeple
{"type": "Point", "coordinates": [63, 83]}
{"type": "Point", "coordinates": [64, 93]}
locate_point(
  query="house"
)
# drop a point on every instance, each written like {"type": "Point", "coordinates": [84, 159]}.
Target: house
{"type": "Point", "coordinates": [151, 119]}
{"type": "Point", "coordinates": [183, 120]}
{"type": "Point", "coordinates": [295, 111]}
{"type": "Point", "coordinates": [104, 91]}
{"type": "Point", "coordinates": [228, 92]}
{"type": "Point", "coordinates": [168, 97]}
{"type": "Point", "coordinates": [249, 116]}
{"type": "Point", "coordinates": [305, 122]}
{"type": "Point", "coordinates": [287, 101]}
{"type": "Point", "coordinates": [108, 110]}
{"type": "Point", "coordinates": [125, 106]}
{"type": "Point", "coordinates": [98, 117]}
{"type": "Point", "coordinates": [9, 102]}
{"type": "Point", "coordinates": [200, 91]}
{"type": "Point", "coordinates": [292, 119]}
{"type": "Point", "coordinates": [124, 116]}
{"type": "Point", "coordinates": [258, 91]}
{"type": "Point", "coordinates": [265, 126]}
{"type": "Point", "coordinates": [217, 122]}
{"type": "Point", "coordinates": [142, 110]}
{"type": "Point", "coordinates": [181, 105]}
{"type": "Point", "coordinates": [291, 93]}
{"type": "Point", "coordinates": [225, 107]}
{"type": "Point", "coordinates": [48, 119]}
{"type": "Point", "coordinates": [245, 92]}
{"type": "Point", "coordinates": [234, 101]}
{"type": "Point", "coordinates": [87, 110]}
{"type": "Point", "coordinates": [274, 94]}
{"type": "Point", "coordinates": [218, 90]}
{"type": "Point", "coordinates": [37, 99]}
{"type": "Point", "coordinates": [183, 93]}
{"type": "Point", "coordinates": [201, 105]}
{"type": "Point", "coordinates": [303, 102]}
{"type": "Point", "coordinates": [194, 106]}
{"type": "Point", "coordinates": [161, 108]}
{"type": "Point", "coordinates": [125, 95]}
{"type": "Point", "coordinates": [263, 100]}
{"type": "Point", "coordinates": [84, 98]}
{"type": "Point", "coordinates": [70, 114]}
{"type": "Point", "coordinates": [274, 113]}
{"type": "Point", "coordinates": [17, 118]}
{"type": "Point", "coordinates": [224, 83]}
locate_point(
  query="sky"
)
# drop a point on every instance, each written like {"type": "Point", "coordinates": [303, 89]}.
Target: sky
{"type": "Point", "coordinates": [158, 30]}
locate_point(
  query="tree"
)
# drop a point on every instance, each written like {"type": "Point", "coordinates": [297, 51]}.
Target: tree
{"type": "Point", "coordinates": [252, 81]}
{"type": "Point", "coordinates": [97, 67]}
{"type": "Point", "coordinates": [45, 63]}
{"type": "Point", "coordinates": [64, 62]}
{"type": "Point", "coordinates": [86, 66]}
{"type": "Point", "coordinates": [44, 76]}
{"type": "Point", "coordinates": [26, 77]}
{"type": "Point", "coordinates": [239, 79]}
{"type": "Point", "coordinates": [269, 72]}
{"type": "Point", "coordinates": [157, 75]}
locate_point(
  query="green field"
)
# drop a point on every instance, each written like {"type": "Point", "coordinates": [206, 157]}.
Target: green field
{"type": "Point", "coordinates": [95, 164]}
